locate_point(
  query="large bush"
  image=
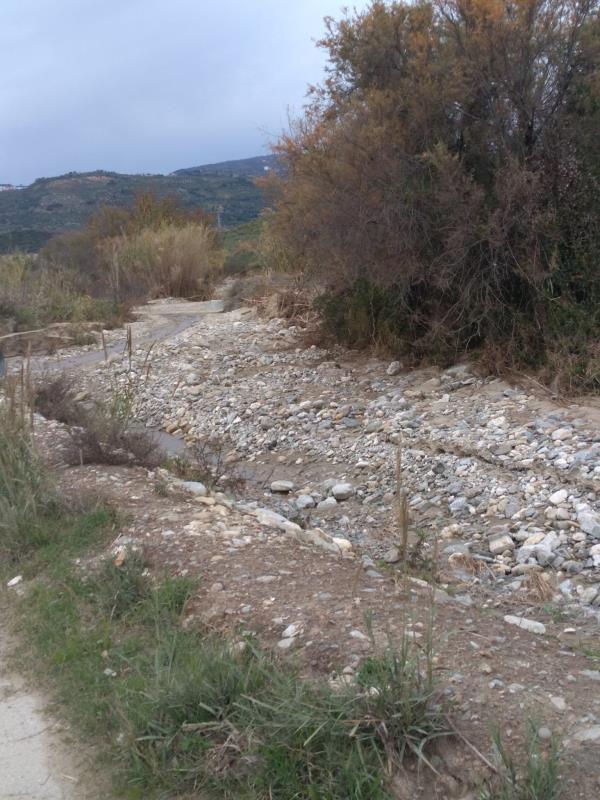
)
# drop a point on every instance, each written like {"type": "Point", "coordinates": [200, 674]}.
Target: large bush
{"type": "Point", "coordinates": [444, 180]}
{"type": "Point", "coordinates": [155, 247]}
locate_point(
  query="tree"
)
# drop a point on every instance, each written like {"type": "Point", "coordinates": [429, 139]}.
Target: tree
{"type": "Point", "coordinates": [444, 178]}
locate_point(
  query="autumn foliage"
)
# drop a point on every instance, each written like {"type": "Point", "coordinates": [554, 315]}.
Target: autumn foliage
{"type": "Point", "coordinates": [443, 183]}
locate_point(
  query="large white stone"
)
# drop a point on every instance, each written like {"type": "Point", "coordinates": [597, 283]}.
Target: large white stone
{"type": "Point", "coordinates": [342, 491]}
{"type": "Point", "coordinates": [498, 544]}
{"type": "Point", "coordinates": [282, 486]}
{"type": "Point", "coordinates": [558, 497]}
{"type": "Point", "coordinates": [530, 625]}
{"type": "Point", "coordinates": [590, 523]}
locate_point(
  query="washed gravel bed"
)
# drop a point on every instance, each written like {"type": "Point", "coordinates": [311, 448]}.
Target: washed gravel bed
{"type": "Point", "coordinates": [496, 472]}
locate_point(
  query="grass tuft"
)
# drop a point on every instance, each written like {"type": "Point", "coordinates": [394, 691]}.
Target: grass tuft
{"type": "Point", "coordinates": [537, 779]}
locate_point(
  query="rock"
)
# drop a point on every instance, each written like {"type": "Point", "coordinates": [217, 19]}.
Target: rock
{"type": "Point", "coordinates": [592, 674]}
{"type": "Point", "coordinates": [544, 732]}
{"type": "Point", "coordinates": [392, 556]}
{"type": "Point", "coordinates": [590, 523]}
{"type": "Point", "coordinates": [195, 487]}
{"type": "Point", "coordinates": [328, 504]}
{"type": "Point", "coordinates": [216, 587]}
{"type": "Point", "coordinates": [395, 368]}
{"type": "Point", "coordinates": [304, 501]}
{"type": "Point", "coordinates": [266, 578]}
{"type": "Point", "coordinates": [292, 630]}
{"type": "Point", "coordinates": [499, 544]}
{"type": "Point", "coordinates": [589, 594]}
{"type": "Point", "coordinates": [558, 703]}
{"type": "Point", "coordinates": [595, 555]}
{"type": "Point", "coordinates": [356, 634]}
{"type": "Point", "coordinates": [283, 487]}
{"type": "Point", "coordinates": [590, 734]}
{"type": "Point", "coordinates": [459, 505]}
{"type": "Point", "coordinates": [560, 434]}
{"type": "Point", "coordinates": [526, 624]}
{"type": "Point", "coordinates": [342, 491]}
{"type": "Point", "coordinates": [285, 644]}
{"type": "Point", "coordinates": [558, 497]}
{"type": "Point", "coordinates": [344, 545]}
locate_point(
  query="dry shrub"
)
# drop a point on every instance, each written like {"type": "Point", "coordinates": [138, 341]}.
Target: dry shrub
{"type": "Point", "coordinates": [101, 432]}
{"type": "Point", "coordinates": [207, 460]}
{"type": "Point", "coordinates": [54, 397]}
{"type": "Point", "coordinates": [170, 261]}
{"type": "Point", "coordinates": [99, 437]}
{"type": "Point", "coordinates": [539, 586]}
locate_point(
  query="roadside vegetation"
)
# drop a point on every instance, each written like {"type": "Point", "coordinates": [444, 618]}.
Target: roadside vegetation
{"type": "Point", "coordinates": [33, 295]}
{"type": "Point", "coordinates": [123, 256]}
{"type": "Point", "coordinates": [443, 189]}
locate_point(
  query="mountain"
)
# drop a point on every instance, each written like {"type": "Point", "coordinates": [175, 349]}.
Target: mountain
{"type": "Point", "coordinates": [31, 215]}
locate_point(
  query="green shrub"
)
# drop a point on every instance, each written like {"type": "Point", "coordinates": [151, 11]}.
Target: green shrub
{"type": "Point", "coordinates": [28, 506]}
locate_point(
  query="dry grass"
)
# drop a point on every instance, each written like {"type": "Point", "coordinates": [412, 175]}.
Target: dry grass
{"type": "Point", "coordinates": [171, 261]}
{"type": "Point", "coordinates": [539, 586]}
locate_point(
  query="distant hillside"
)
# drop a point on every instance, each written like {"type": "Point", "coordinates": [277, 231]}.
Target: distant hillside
{"type": "Point", "coordinates": [243, 167]}
{"type": "Point", "coordinates": [31, 215]}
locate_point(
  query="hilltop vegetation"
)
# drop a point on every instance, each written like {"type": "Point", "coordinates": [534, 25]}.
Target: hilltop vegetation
{"type": "Point", "coordinates": [29, 217]}
{"type": "Point", "coordinates": [247, 167]}
{"type": "Point", "coordinates": [444, 183]}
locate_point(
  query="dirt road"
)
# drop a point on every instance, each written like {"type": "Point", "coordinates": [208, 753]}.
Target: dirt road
{"type": "Point", "coordinates": [34, 762]}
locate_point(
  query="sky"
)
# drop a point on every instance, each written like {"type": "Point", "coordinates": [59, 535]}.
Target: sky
{"type": "Point", "coordinates": [150, 85]}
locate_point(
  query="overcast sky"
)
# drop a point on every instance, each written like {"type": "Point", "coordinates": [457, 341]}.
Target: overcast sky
{"type": "Point", "coordinates": [150, 85]}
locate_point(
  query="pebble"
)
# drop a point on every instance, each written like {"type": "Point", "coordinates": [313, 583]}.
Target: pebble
{"type": "Point", "coordinates": [499, 544]}
{"type": "Point", "coordinates": [304, 501]}
{"type": "Point", "coordinates": [195, 487]}
{"type": "Point", "coordinates": [559, 703]}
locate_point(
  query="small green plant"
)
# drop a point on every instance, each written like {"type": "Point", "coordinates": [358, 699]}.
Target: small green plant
{"type": "Point", "coordinates": [537, 779]}
{"type": "Point", "coordinates": [121, 583]}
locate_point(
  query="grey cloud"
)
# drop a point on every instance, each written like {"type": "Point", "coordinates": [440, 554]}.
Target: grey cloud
{"type": "Point", "coordinates": [149, 85]}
